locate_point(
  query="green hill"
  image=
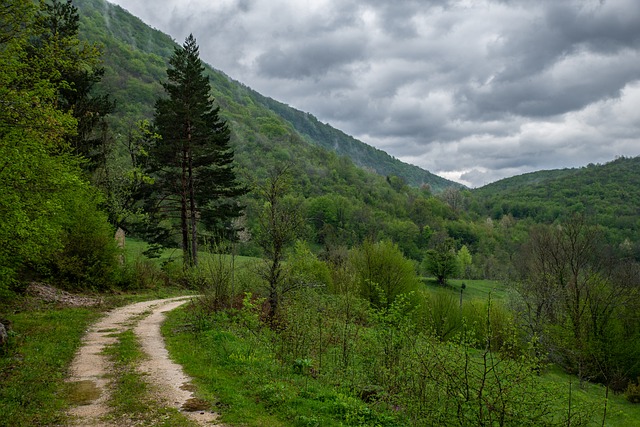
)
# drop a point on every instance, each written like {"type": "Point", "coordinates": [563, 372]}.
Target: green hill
{"type": "Point", "coordinates": [348, 190]}
{"type": "Point", "coordinates": [609, 194]}
{"type": "Point", "coordinates": [135, 58]}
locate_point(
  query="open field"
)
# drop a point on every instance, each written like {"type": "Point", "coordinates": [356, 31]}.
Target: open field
{"type": "Point", "coordinates": [474, 289]}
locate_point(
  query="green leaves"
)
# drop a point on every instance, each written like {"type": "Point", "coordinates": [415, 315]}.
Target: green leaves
{"type": "Point", "coordinates": [442, 261]}
{"type": "Point", "coordinates": [41, 188]}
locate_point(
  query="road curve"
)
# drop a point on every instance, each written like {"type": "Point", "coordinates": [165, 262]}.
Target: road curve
{"type": "Point", "coordinates": [90, 368]}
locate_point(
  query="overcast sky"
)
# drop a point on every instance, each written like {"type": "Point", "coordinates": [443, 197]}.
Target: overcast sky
{"type": "Point", "coordinates": [471, 90]}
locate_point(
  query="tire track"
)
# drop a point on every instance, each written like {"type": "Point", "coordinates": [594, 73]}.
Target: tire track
{"type": "Point", "coordinates": [90, 368]}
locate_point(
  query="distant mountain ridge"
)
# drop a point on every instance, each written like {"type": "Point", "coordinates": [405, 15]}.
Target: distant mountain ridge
{"type": "Point", "coordinates": [137, 54]}
{"type": "Point", "coordinates": [608, 194]}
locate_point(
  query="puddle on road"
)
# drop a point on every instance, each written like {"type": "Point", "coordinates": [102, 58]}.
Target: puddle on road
{"type": "Point", "coordinates": [188, 387]}
{"type": "Point", "coordinates": [194, 405]}
{"type": "Point", "coordinates": [83, 392]}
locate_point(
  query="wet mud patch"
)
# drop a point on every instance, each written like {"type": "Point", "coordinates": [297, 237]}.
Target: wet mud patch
{"type": "Point", "coordinates": [83, 392]}
{"type": "Point", "coordinates": [188, 387]}
{"type": "Point", "coordinates": [195, 404]}
{"type": "Point", "coordinates": [104, 331]}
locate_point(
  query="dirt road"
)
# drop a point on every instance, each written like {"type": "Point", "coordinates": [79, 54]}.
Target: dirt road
{"type": "Point", "coordinates": [91, 368]}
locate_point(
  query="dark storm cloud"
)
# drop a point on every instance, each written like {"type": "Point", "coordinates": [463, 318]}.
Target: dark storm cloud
{"type": "Point", "coordinates": [474, 90]}
{"type": "Point", "coordinates": [314, 58]}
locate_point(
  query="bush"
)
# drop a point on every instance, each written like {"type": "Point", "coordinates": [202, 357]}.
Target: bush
{"type": "Point", "coordinates": [444, 316]}
{"type": "Point", "coordinates": [304, 269]}
{"type": "Point", "coordinates": [383, 272]}
{"type": "Point", "coordinates": [216, 281]}
{"type": "Point", "coordinates": [144, 274]}
{"type": "Point", "coordinates": [90, 255]}
{"type": "Point", "coordinates": [633, 392]}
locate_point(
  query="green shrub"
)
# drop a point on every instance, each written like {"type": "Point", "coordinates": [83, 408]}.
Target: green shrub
{"type": "Point", "coordinates": [144, 274]}
{"type": "Point", "coordinates": [90, 258]}
{"type": "Point", "coordinates": [444, 315]}
{"type": "Point", "coordinates": [216, 281]}
{"type": "Point", "coordinates": [633, 392]}
{"type": "Point", "coordinates": [304, 269]}
{"type": "Point", "coordinates": [383, 272]}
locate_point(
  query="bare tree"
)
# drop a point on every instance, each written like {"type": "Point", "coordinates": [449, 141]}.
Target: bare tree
{"type": "Point", "coordinates": [571, 287]}
{"type": "Point", "coordinates": [280, 224]}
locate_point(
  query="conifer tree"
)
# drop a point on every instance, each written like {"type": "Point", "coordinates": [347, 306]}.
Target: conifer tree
{"type": "Point", "coordinates": [72, 66]}
{"type": "Point", "coordinates": [192, 160]}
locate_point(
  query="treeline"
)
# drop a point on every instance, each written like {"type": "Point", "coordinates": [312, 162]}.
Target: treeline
{"type": "Point", "coordinates": [52, 224]}
{"type": "Point", "coordinates": [607, 194]}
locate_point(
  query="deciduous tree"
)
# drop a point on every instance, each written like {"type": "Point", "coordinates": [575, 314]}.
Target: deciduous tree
{"type": "Point", "coordinates": [574, 294]}
{"type": "Point", "coordinates": [41, 188]}
{"type": "Point", "coordinates": [280, 224]}
{"type": "Point", "coordinates": [442, 261]}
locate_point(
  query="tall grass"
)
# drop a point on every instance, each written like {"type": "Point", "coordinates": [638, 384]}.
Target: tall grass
{"type": "Point", "coordinates": [234, 364]}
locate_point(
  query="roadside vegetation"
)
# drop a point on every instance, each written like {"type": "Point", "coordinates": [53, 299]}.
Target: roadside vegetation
{"type": "Point", "coordinates": [33, 365]}
{"type": "Point", "coordinates": [329, 294]}
{"type": "Point", "coordinates": [350, 358]}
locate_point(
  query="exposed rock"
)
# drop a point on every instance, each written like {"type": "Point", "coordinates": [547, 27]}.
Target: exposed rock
{"type": "Point", "coordinates": [50, 294]}
{"type": "Point", "coordinates": [3, 335]}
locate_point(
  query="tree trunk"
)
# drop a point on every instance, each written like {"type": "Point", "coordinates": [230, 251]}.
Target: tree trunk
{"type": "Point", "coordinates": [184, 222]}
{"type": "Point", "coordinates": [274, 279]}
{"type": "Point", "coordinates": [192, 203]}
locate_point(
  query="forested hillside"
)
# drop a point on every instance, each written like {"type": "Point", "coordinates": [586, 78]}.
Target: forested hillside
{"type": "Point", "coordinates": [135, 56]}
{"type": "Point", "coordinates": [335, 180]}
{"type": "Point", "coordinates": [324, 288]}
{"type": "Point", "coordinates": [608, 194]}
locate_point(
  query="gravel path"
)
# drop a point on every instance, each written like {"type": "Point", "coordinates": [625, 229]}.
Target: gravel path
{"type": "Point", "coordinates": [90, 367]}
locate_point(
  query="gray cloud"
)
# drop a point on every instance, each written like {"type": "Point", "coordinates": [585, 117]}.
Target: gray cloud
{"type": "Point", "coordinates": [472, 90]}
{"type": "Point", "coordinates": [312, 59]}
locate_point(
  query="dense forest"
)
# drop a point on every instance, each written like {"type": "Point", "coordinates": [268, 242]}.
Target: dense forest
{"type": "Point", "coordinates": [356, 260]}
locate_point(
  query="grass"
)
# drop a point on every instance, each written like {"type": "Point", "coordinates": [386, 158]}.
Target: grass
{"type": "Point", "coordinates": [218, 382]}
{"type": "Point", "coordinates": [33, 369]}
{"type": "Point", "coordinates": [249, 387]}
{"type": "Point", "coordinates": [474, 289]}
{"type": "Point", "coordinates": [131, 399]}
{"type": "Point", "coordinates": [134, 249]}
{"type": "Point", "coordinates": [620, 412]}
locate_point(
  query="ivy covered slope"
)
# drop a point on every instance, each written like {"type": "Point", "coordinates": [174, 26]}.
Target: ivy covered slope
{"type": "Point", "coordinates": [135, 58]}
{"type": "Point", "coordinates": [608, 193]}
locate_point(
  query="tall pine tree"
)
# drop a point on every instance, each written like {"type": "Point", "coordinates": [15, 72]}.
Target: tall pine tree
{"type": "Point", "coordinates": [193, 161]}
{"type": "Point", "coordinates": [75, 73]}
